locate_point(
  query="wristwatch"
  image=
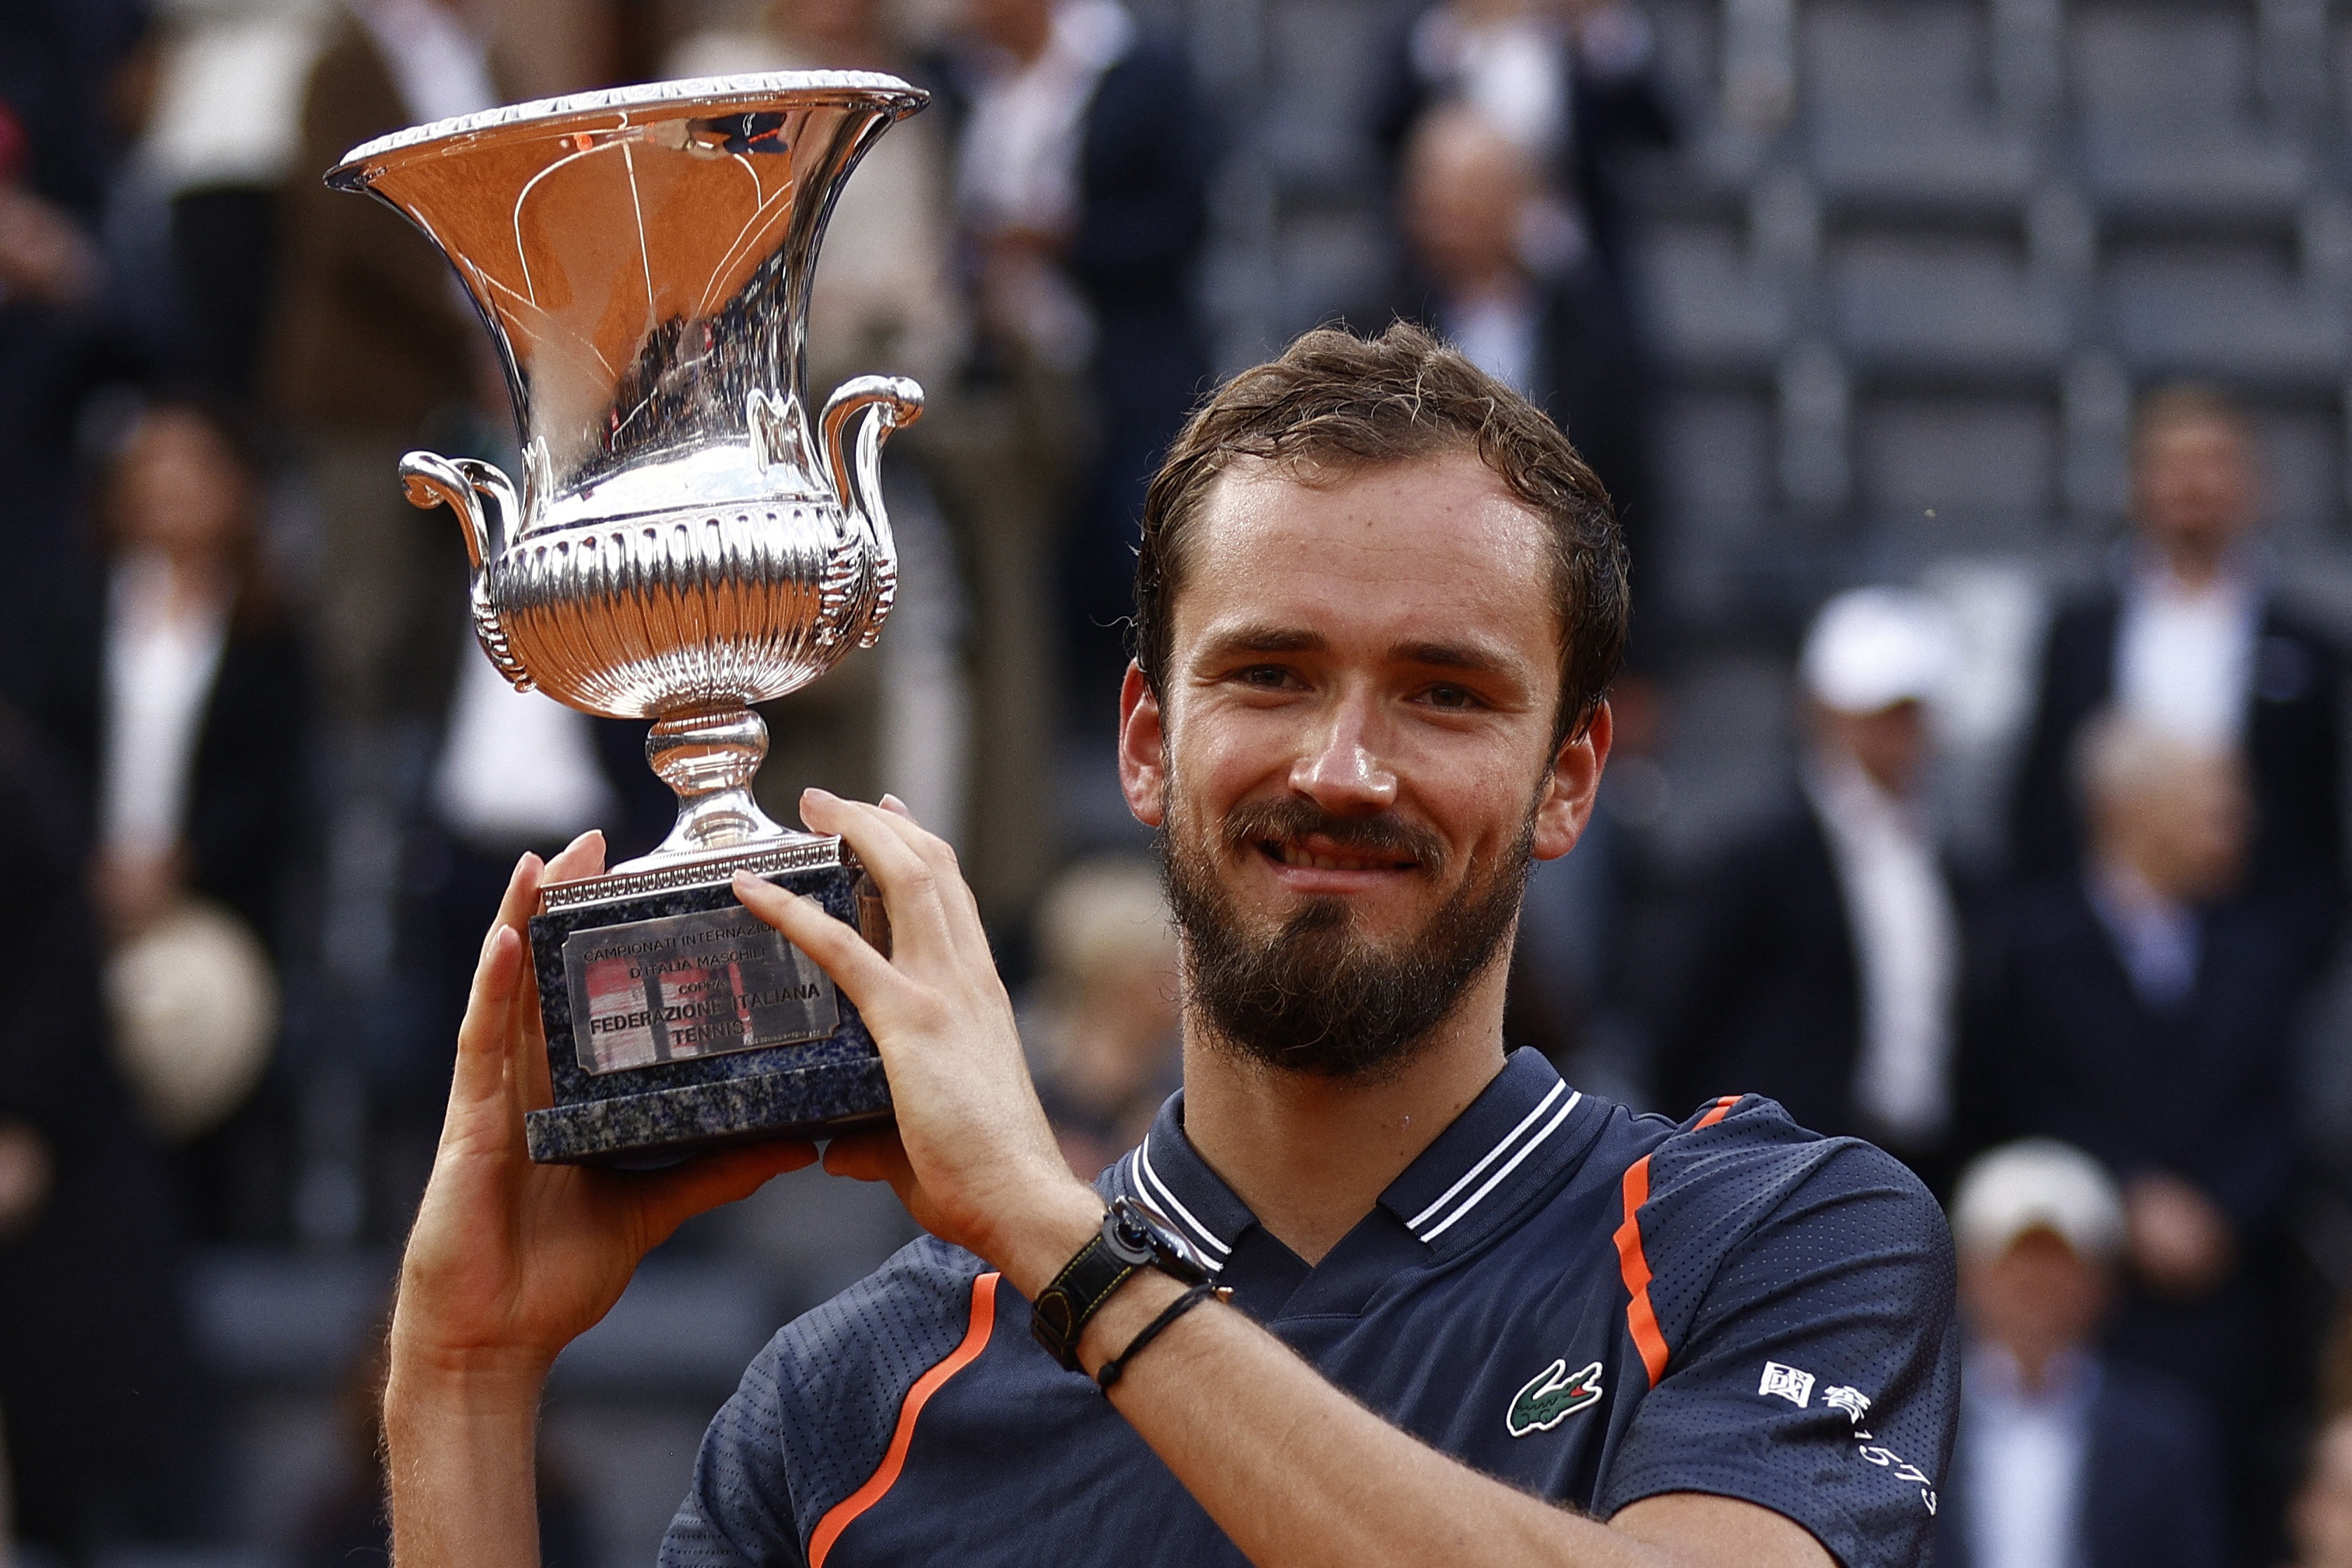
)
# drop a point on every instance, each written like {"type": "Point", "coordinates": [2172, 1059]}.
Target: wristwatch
{"type": "Point", "coordinates": [1133, 1238]}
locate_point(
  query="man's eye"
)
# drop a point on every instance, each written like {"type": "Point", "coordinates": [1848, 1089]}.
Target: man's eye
{"type": "Point", "coordinates": [1452, 697]}
{"type": "Point", "coordinates": [1266, 675]}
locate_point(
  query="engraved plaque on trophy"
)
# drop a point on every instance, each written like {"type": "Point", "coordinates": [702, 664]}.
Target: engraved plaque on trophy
{"type": "Point", "coordinates": [684, 542]}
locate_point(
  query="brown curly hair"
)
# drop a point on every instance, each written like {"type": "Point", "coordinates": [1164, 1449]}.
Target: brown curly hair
{"type": "Point", "coordinates": [1336, 401]}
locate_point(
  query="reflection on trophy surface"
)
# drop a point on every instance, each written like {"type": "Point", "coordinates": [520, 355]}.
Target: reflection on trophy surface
{"type": "Point", "coordinates": [685, 543]}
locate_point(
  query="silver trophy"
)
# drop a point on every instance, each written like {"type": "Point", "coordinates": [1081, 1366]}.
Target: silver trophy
{"type": "Point", "coordinates": [685, 543]}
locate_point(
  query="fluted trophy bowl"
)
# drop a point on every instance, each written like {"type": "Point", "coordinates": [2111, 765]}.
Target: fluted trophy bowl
{"type": "Point", "coordinates": [684, 541]}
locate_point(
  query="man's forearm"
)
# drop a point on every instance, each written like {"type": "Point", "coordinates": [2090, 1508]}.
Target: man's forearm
{"type": "Point", "coordinates": [1300, 1476]}
{"type": "Point", "coordinates": [460, 1459]}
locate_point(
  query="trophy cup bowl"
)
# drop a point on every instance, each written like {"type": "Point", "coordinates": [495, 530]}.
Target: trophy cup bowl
{"type": "Point", "coordinates": [685, 543]}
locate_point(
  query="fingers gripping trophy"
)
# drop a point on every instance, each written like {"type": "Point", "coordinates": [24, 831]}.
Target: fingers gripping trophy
{"type": "Point", "coordinates": [684, 543]}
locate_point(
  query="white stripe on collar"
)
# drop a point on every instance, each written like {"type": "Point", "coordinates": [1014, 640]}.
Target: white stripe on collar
{"type": "Point", "coordinates": [1154, 1190]}
{"type": "Point", "coordinates": [1509, 1165]}
{"type": "Point", "coordinates": [1470, 1175]}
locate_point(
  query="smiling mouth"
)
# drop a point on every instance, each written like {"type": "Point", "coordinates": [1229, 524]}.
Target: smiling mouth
{"type": "Point", "coordinates": [1290, 854]}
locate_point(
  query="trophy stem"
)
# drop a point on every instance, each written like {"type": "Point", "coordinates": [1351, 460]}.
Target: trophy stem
{"type": "Point", "coordinates": [709, 759]}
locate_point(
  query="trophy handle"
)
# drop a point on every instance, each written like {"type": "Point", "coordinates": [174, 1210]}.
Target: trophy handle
{"type": "Point", "coordinates": [896, 402]}
{"type": "Point", "coordinates": [463, 486]}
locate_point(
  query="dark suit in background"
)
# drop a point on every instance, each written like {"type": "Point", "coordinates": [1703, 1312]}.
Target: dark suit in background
{"type": "Point", "coordinates": [1143, 176]}
{"type": "Point", "coordinates": [1589, 371]}
{"type": "Point", "coordinates": [2060, 1044]}
{"type": "Point", "coordinates": [1763, 992]}
{"type": "Point", "coordinates": [249, 830]}
{"type": "Point", "coordinates": [2150, 1496]}
{"type": "Point", "coordinates": [2292, 738]}
{"type": "Point", "coordinates": [251, 836]}
{"type": "Point", "coordinates": [1147, 147]}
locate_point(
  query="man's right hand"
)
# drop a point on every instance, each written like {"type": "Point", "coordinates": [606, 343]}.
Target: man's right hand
{"type": "Point", "coordinates": [509, 1261]}
{"type": "Point", "coordinates": [2179, 1240]}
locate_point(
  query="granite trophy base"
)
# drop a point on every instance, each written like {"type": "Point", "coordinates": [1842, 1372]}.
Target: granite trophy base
{"type": "Point", "coordinates": [677, 1022]}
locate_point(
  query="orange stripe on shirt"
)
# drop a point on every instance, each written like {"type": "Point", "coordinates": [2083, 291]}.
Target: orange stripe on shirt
{"type": "Point", "coordinates": [975, 1340]}
{"type": "Point", "coordinates": [1641, 1318]}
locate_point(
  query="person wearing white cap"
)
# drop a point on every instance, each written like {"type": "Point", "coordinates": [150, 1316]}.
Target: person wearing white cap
{"type": "Point", "coordinates": [1823, 957]}
{"type": "Point", "coordinates": [2067, 1458]}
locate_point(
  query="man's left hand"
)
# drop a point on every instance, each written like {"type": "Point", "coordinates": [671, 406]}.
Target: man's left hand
{"type": "Point", "coordinates": [971, 1154]}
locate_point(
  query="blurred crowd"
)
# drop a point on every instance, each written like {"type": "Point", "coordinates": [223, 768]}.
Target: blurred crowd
{"type": "Point", "coordinates": [258, 793]}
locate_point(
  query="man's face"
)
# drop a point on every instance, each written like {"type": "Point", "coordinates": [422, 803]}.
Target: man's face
{"type": "Point", "coordinates": [2037, 1297]}
{"type": "Point", "coordinates": [1021, 28]}
{"type": "Point", "coordinates": [2186, 832]}
{"type": "Point", "coordinates": [1890, 745]}
{"type": "Point", "coordinates": [179, 490]}
{"type": "Point", "coordinates": [2193, 486]}
{"type": "Point", "coordinates": [1465, 188]}
{"type": "Point", "coordinates": [1355, 763]}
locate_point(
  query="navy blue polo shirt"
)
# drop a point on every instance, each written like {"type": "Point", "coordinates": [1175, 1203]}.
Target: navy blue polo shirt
{"type": "Point", "coordinates": [1595, 1306]}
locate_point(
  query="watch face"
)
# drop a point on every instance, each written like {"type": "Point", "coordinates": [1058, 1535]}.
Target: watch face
{"type": "Point", "coordinates": [1138, 1234]}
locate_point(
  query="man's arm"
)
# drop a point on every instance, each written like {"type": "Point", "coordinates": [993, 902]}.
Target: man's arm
{"type": "Point", "coordinates": [1293, 1469]}
{"type": "Point", "coordinates": [509, 1261]}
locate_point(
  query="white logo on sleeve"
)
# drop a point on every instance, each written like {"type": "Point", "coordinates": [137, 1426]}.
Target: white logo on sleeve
{"type": "Point", "coordinates": [1788, 1382]}
{"type": "Point", "coordinates": [1796, 1386]}
{"type": "Point", "coordinates": [1853, 1401]}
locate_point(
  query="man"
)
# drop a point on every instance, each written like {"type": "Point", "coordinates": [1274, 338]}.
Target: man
{"type": "Point", "coordinates": [1378, 603]}
{"type": "Point", "coordinates": [2143, 1011]}
{"type": "Point", "coordinates": [1822, 960]}
{"type": "Point", "coordinates": [1497, 269]}
{"type": "Point", "coordinates": [2192, 640]}
{"type": "Point", "coordinates": [2065, 1458]}
{"type": "Point", "coordinates": [1560, 94]}
{"type": "Point", "coordinates": [1083, 158]}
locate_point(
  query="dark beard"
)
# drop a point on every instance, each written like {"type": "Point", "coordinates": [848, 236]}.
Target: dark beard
{"type": "Point", "coordinates": [1318, 997]}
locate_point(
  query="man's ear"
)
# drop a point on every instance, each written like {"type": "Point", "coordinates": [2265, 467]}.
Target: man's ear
{"type": "Point", "coordinates": [1142, 754]}
{"type": "Point", "coordinates": [1575, 780]}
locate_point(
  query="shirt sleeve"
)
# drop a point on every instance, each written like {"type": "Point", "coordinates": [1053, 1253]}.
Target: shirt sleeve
{"type": "Point", "coordinates": [1802, 1289]}
{"type": "Point", "coordinates": [738, 1511]}
{"type": "Point", "coordinates": [813, 1417]}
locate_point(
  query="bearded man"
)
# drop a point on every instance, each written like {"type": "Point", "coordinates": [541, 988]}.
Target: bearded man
{"type": "Point", "coordinates": [1372, 1290]}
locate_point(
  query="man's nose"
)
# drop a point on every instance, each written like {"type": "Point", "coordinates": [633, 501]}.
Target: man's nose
{"type": "Point", "coordinates": [1342, 768]}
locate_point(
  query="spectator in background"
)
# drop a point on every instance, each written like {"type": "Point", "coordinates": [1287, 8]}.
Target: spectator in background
{"type": "Point", "coordinates": [1823, 957]}
{"type": "Point", "coordinates": [2141, 1010]}
{"type": "Point", "coordinates": [1517, 239]}
{"type": "Point", "coordinates": [370, 340]}
{"type": "Point", "coordinates": [202, 718]}
{"type": "Point", "coordinates": [1103, 1032]}
{"type": "Point", "coordinates": [2066, 1459]}
{"type": "Point", "coordinates": [222, 139]}
{"type": "Point", "coordinates": [2191, 640]}
{"type": "Point", "coordinates": [1082, 162]}
{"type": "Point", "coordinates": [201, 733]}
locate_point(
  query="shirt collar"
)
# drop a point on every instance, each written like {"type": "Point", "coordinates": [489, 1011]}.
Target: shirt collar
{"type": "Point", "coordinates": [1509, 1141]}
{"type": "Point", "coordinates": [1520, 1131]}
{"type": "Point", "coordinates": [1992, 1382]}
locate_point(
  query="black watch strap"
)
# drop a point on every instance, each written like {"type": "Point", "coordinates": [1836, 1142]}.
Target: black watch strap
{"type": "Point", "coordinates": [1131, 1239]}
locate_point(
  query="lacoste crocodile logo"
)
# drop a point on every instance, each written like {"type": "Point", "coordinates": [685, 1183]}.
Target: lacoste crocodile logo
{"type": "Point", "coordinates": [1551, 1396]}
